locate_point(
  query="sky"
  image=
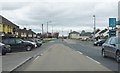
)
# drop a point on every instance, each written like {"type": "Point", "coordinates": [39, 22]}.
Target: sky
{"type": "Point", "coordinates": [61, 15]}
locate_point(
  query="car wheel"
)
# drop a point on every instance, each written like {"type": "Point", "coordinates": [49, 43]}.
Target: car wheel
{"type": "Point", "coordinates": [103, 53]}
{"type": "Point", "coordinates": [28, 48]}
{"type": "Point", "coordinates": [3, 53]}
{"type": "Point", "coordinates": [98, 44]}
{"type": "Point", "coordinates": [9, 51]}
{"type": "Point", "coordinates": [118, 57]}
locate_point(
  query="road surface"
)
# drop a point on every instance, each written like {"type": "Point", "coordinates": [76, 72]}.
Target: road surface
{"type": "Point", "coordinates": [59, 57]}
{"type": "Point", "coordinates": [94, 52]}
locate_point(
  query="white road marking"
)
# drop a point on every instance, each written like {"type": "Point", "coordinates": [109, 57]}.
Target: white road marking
{"type": "Point", "coordinates": [79, 52]}
{"type": "Point", "coordinates": [93, 60]}
{"type": "Point", "coordinates": [36, 58]}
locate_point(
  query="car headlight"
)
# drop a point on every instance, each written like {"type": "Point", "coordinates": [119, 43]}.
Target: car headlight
{"type": "Point", "coordinates": [7, 46]}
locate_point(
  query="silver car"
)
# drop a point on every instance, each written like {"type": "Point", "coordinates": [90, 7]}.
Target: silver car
{"type": "Point", "coordinates": [111, 48]}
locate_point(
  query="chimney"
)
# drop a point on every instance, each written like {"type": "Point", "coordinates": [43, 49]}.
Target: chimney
{"type": "Point", "coordinates": [30, 29]}
{"type": "Point", "coordinates": [24, 28]}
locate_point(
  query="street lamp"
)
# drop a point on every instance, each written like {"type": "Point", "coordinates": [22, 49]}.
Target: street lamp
{"type": "Point", "coordinates": [42, 31]}
{"type": "Point", "coordinates": [94, 25]}
{"type": "Point", "coordinates": [47, 25]}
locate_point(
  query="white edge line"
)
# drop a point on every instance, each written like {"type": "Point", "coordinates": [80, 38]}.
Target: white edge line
{"type": "Point", "coordinates": [93, 60]}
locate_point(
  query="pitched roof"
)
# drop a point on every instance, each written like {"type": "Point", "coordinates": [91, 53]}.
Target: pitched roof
{"type": "Point", "coordinates": [30, 31]}
{"type": "Point", "coordinates": [97, 30]}
{"type": "Point", "coordinates": [103, 31]}
{"type": "Point", "coordinates": [24, 30]}
{"type": "Point", "coordinates": [86, 34]}
{"type": "Point", "coordinates": [3, 20]}
{"type": "Point", "coordinates": [74, 32]}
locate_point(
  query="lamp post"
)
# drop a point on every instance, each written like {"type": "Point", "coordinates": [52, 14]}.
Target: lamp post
{"type": "Point", "coordinates": [94, 25]}
{"type": "Point", "coordinates": [47, 27]}
{"type": "Point", "coordinates": [42, 31]}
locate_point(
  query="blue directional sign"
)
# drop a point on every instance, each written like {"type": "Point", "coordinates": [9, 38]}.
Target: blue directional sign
{"type": "Point", "coordinates": [112, 22]}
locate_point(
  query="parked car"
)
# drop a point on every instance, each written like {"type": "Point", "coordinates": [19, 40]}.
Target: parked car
{"type": "Point", "coordinates": [18, 44]}
{"type": "Point", "coordinates": [4, 49]}
{"type": "Point", "coordinates": [99, 42]}
{"type": "Point", "coordinates": [35, 45]}
{"type": "Point", "coordinates": [84, 39]}
{"type": "Point", "coordinates": [111, 48]}
{"type": "Point", "coordinates": [37, 41]}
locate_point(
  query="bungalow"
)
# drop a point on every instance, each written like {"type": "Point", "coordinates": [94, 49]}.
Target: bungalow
{"type": "Point", "coordinates": [97, 33]}
{"type": "Point", "coordinates": [24, 33]}
{"type": "Point", "coordinates": [118, 29]}
{"type": "Point", "coordinates": [85, 35]}
{"type": "Point", "coordinates": [74, 35]}
{"type": "Point", "coordinates": [102, 34]}
{"type": "Point", "coordinates": [31, 34]}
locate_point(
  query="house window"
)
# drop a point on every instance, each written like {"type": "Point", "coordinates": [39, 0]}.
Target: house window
{"type": "Point", "coordinates": [3, 28]}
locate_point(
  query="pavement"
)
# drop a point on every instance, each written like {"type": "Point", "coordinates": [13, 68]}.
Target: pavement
{"type": "Point", "coordinates": [59, 57]}
{"type": "Point", "coordinates": [13, 60]}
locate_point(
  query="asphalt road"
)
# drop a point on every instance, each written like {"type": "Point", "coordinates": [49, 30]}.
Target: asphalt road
{"type": "Point", "coordinates": [93, 52]}
{"type": "Point", "coordinates": [59, 57]}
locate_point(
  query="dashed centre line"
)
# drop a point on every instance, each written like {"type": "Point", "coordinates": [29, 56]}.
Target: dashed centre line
{"type": "Point", "coordinates": [79, 52]}
{"type": "Point", "coordinates": [89, 57]}
{"type": "Point", "coordinates": [93, 60]}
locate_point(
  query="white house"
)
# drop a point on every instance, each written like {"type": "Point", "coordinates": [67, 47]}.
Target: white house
{"type": "Point", "coordinates": [106, 33]}
{"type": "Point", "coordinates": [118, 30]}
{"type": "Point", "coordinates": [74, 35]}
{"type": "Point", "coordinates": [97, 34]}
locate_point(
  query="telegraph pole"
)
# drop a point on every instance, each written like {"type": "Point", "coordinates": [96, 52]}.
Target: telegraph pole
{"type": "Point", "coordinates": [42, 31]}
{"type": "Point", "coordinates": [47, 27]}
{"type": "Point", "coordinates": [94, 25]}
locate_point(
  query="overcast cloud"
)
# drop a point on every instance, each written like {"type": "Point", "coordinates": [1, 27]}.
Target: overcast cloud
{"type": "Point", "coordinates": [64, 15]}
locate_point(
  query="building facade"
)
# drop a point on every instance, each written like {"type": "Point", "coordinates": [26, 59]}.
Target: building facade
{"type": "Point", "coordinates": [74, 35]}
{"type": "Point", "coordinates": [7, 27]}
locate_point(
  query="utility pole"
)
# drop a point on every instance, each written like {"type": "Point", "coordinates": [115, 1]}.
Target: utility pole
{"type": "Point", "coordinates": [42, 28]}
{"type": "Point", "coordinates": [94, 25]}
{"type": "Point", "coordinates": [47, 27]}
{"type": "Point", "coordinates": [52, 28]}
{"type": "Point", "coordinates": [42, 31]}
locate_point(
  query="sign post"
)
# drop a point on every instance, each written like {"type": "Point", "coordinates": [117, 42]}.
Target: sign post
{"type": "Point", "coordinates": [112, 24]}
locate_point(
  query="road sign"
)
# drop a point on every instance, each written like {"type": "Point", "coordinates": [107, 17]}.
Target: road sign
{"type": "Point", "coordinates": [112, 32]}
{"type": "Point", "coordinates": [112, 22]}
